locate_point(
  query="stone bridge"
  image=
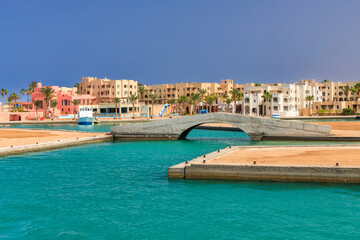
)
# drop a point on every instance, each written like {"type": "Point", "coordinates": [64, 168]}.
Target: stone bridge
{"type": "Point", "coordinates": [255, 127]}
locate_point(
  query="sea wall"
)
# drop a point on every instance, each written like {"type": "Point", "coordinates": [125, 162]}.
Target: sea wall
{"type": "Point", "coordinates": [269, 173]}
{"type": "Point", "coordinates": [52, 145]}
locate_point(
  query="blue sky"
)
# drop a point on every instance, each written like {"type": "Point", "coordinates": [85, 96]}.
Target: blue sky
{"type": "Point", "coordinates": [155, 42]}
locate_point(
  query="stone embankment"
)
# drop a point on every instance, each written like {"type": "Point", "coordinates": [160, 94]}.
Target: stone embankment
{"type": "Point", "coordinates": [337, 164]}
{"type": "Point", "coordinates": [15, 141]}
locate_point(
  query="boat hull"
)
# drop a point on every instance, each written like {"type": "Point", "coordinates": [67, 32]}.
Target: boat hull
{"type": "Point", "coordinates": [85, 121]}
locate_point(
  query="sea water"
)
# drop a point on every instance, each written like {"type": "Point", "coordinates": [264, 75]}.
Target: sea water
{"type": "Point", "coordinates": [120, 190]}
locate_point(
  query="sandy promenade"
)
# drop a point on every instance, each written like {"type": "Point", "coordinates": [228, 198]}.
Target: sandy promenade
{"type": "Point", "coordinates": [292, 156]}
{"type": "Point", "coordinates": [21, 137]}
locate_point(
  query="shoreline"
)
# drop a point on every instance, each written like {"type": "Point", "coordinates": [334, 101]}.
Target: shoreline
{"type": "Point", "coordinates": [17, 141]}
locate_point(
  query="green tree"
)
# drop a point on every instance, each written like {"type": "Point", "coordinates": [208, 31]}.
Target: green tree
{"type": "Point", "coordinates": [23, 92]}
{"type": "Point", "coordinates": [234, 96]}
{"type": "Point", "coordinates": [37, 105]}
{"type": "Point", "coordinates": [172, 103]}
{"type": "Point", "coordinates": [153, 97]}
{"type": "Point", "coordinates": [132, 98]}
{"type": "Point", "coordinates": [48, 94]}
{"type": "Point", "coordinates": [257, 84]}
{"type": "Point", "coordinates": [53, 105]}
{"type": "Point", "coordinates": [203, 93]}
{"type": "Point", "coordinates": [182, 101]}
{"type": "Point", "coordinates": [28, 94]}
{"type": "Point", "coordinates": [195, 98]}
{"type": "Point", "coordinates": [75, 102]}
{"type": "Point", "coordinates": [77, 85]}
{"type": "Point", "coordinates": [141, 90]}
{"type": "Point", "coordinates": [32, 85]}
{"type": "Point", "coordinates": [346, 91]}
{"type": "Point", "coordinates": [356, 89]}
{"type": "Point", "coordinates": [209, 101]}
{"type": "Point", "coordinates": [324, 81]}
{"type": "Point", "coordinates": [3, 93]}
{"type": "Point", "coordinates": [309, 99]}
{"type": "Point", "coordinates": [12, 99]}
{"type": "Point", "coordinates": [228, 102]}
{"type": "Point", "coordinates": [267, 97]}
{"type": "Point", "coordinates": [116, 100]}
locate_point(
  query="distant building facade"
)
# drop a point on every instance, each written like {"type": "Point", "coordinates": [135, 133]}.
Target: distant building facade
{"type": "Point", "coordinates": [286, 100]}
{"type": "Point", "coordinates": [165, 92]}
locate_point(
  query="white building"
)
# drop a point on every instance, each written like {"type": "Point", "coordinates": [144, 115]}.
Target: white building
{"type": "Point", "coordinates": [287, 99]}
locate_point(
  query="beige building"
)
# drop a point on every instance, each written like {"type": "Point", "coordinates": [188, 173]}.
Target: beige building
{"type": "Point", "coordinates": [334, 97]}
{"type": "Point", "coordinates": [106, 90]}
{"type": "Point", "coordinates": [166, 92]}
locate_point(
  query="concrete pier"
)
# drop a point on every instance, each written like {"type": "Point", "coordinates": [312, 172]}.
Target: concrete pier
{"type": "Point", "coordinates": [237, 163]}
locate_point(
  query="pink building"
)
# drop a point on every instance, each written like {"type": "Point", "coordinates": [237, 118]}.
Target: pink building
{"type": "Point", "coordinates": [64, 96]}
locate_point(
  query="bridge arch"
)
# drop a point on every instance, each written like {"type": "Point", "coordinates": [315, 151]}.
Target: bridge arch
{"type": "Point", "coordinates": [186, 131]}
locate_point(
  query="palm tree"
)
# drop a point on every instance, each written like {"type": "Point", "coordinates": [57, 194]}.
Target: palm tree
{"type": "Point", "coordinates": [203, 93]}
{"type": "Point", "coordinates": [141, 90]}
{"type": "Point", "coordinates": [234, 96]}
{"type": "Point", "coordinates": [195, 98]}
{"type": "Point", "coordinates": [32, 85]}
{"type": "Point", "coordinates": [182, 102]}
{"type": "Point", "coordinates": [153, 97]}
{"type": "Point", "coordinates": [309, 99]}
{"type": "Point", "coordinates": [240, 98]}
{"type": "Point", "coordinates": [28, 93]}
{"type": "Point", "coordinates": [132, 98]}
{"type": "Point", "coordinates": [266, 96]}
{"type": "Point", "coordinates": [48, 94]}
{"type": "Point", "coordinates": [75, 103]}
{"type": "Point", "coordinates": [12, 99]}
{"type": "Point", "coordinates": [37, 105]}
{"type": "Point", "coordinates": [257, 84]}
{"type": "Point", "coordinates": [116, 100]}
{"type": "Point", "coordinates": [3, 93]}
{"type": "Point", "coordinates": [53, 105]}
{"type": "Point", "coordinates": [172, 102]}
{"type": "Point", "coordinates": [209, 100]}
{"type": "Point", "coordinates": [228, 102]}
{"type": "Point", "coordinates": [223, 97]}
{"type": "Point", "coordinates": [77, 85]}
{"type": "Point", "coordinates": [23, 92]}
{"type": "Point", "coordinates": [346, 91]}
{"type": "Point", "coordinates": [356, 89]}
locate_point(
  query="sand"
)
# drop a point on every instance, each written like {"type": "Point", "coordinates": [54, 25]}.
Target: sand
{"type": "Point", "coordinates": [21, 137]}
{"type": "Point", "coordinates": [293, 156]}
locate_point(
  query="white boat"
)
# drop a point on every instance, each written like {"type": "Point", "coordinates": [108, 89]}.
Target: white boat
{"type": "Point", "coordinates": [86, 116]}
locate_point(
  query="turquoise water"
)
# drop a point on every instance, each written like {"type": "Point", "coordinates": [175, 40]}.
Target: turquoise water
{"type": "Point", "coordinates": [120, 190]}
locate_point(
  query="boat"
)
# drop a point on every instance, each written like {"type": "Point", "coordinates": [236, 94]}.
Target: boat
{"type": "Point", "coordinates": [275, 116]}
{"type": "Point", "coordinates": [86, 116]}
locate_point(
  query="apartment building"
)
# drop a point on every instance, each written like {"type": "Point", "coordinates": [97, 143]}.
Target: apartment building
{"type": "Point", "coordinates": [335, 96]}
{"type": "Point", "coordinates": [105, 90]}
{"type": "Point", "coordinates": [64, 97]}
{"type": "Point", "coordinates": [166, 92]}
{"type": "Point", "coordinates": [287, 99]}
